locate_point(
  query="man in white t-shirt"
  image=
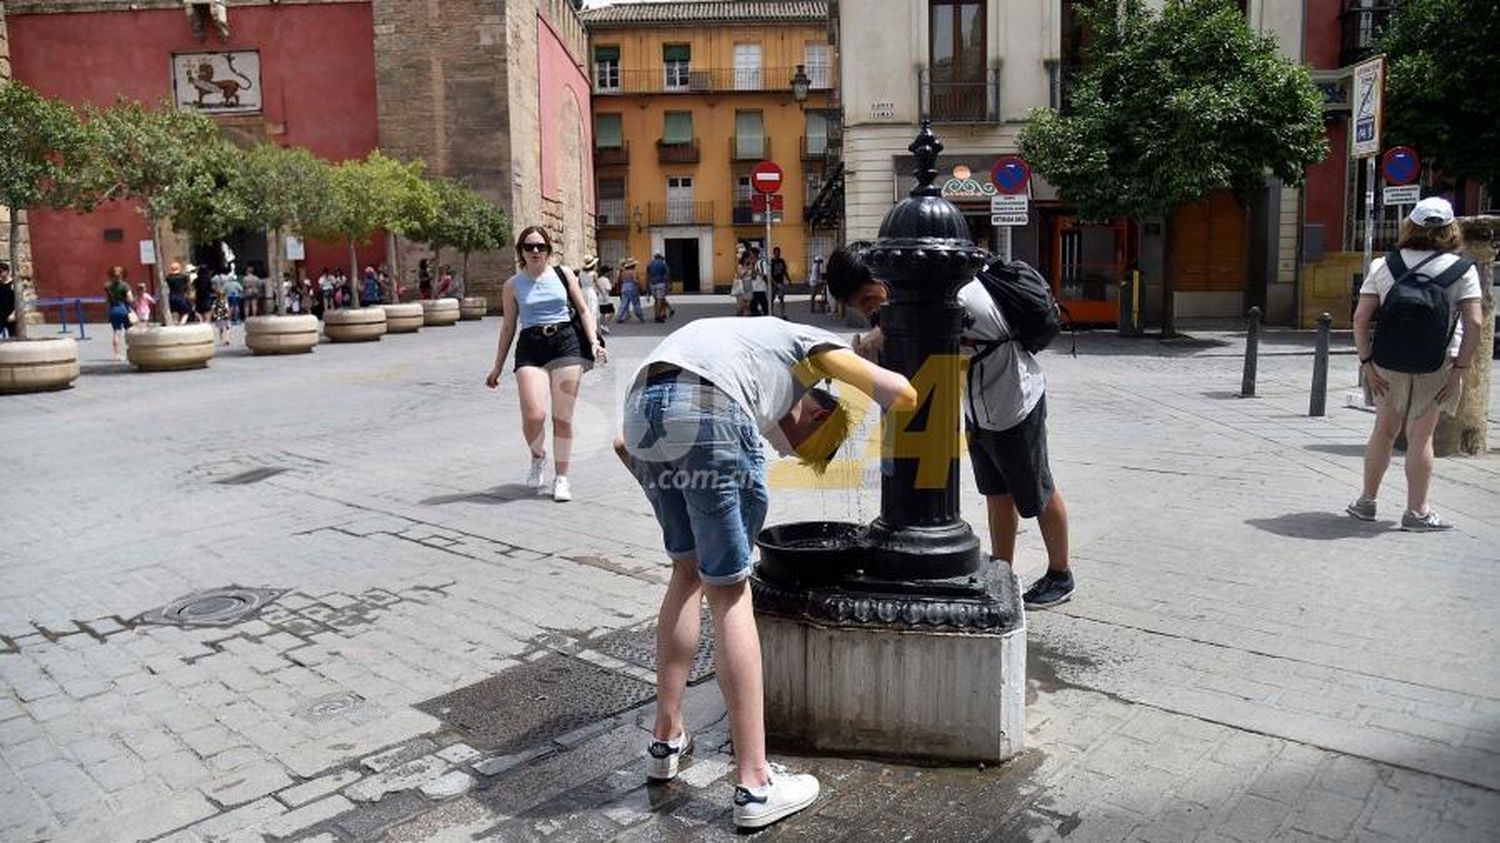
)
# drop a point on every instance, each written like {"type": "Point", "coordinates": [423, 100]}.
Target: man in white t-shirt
{"type": "Point", "coordinates": [691, 436]}
{"type": "Point", "coordinates": [1005, 412]}
{"type": "Point", "coordinates": [1408, 390]}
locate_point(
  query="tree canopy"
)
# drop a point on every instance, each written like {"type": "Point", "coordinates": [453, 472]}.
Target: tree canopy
{"type": "Point", "coordinates": [1443, 69]}
{"type": "Point", "coordinates": [40, 143]}
{"type": "Point", "coordinates": [1172, 106]}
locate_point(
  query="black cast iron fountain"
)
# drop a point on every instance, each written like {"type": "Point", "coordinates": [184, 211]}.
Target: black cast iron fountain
{"type": "Point", "coordinates": [918, 567]}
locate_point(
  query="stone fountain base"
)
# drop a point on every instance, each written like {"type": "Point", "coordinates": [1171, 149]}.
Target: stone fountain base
{"type": "Point", "coordinates": [919, 670]}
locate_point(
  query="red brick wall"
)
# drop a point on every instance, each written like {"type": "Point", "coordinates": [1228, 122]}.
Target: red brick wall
{"type": "Point", "coordinates": [318, 80]}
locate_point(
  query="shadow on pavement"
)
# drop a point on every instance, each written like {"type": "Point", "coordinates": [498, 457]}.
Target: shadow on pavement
{"type": "Point", "coordinates": [1326, 526]}
{"type": "Point", "coordinates": [507, 493]}
{"type": "Point", "coordinates": [1341, 450]}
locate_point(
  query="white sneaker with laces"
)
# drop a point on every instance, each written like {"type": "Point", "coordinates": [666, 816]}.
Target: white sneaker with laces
{"type": "Point", "coordinates": [561, 490]}
{"type": "Point", "coordinates": [535, 478]}
{"type": "Point", "coordinates": [665, 757]}
{"type": "Point", "coordinates": [786, 794]}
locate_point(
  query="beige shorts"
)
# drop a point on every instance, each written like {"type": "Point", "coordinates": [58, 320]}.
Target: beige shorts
{"type": "Point", "coordinates": [1414, 396]}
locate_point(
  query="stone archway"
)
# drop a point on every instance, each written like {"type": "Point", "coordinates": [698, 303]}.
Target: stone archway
{"type": "Point", "coordinates": [570, 170]}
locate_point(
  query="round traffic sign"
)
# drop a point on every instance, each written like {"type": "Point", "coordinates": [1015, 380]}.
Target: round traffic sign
{"type": "Point", "coordinates": [1400, 165]}
{"type": "Point", "coordinates": [765, 177]}
{"type": "Point", "coordinates": [1011, 174]}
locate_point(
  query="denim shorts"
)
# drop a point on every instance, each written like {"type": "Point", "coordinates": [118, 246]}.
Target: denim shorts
{"type": "Point", "coordinates": [698, 456]}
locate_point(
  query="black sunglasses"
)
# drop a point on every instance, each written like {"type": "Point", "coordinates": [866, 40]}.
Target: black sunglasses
{"type": "Point", "coordinates": [535, 247]}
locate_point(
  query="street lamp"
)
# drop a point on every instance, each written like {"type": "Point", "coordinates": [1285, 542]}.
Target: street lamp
{"type": "Point", "coordinates": [800, 84]}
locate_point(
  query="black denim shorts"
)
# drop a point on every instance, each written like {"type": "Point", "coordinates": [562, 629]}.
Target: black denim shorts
{"type": "Point", "coordinates": [1014, 462]}
{"type": "Point", "coordinates": [549, 346]}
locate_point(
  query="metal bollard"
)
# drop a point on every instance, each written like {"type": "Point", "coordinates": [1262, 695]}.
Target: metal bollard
{"type": "Point", "coordinates": [1252, 354]}
{"type": "Point", "coordinates": [1319, 399]}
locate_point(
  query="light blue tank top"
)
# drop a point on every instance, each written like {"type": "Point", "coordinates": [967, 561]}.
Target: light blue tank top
{"type": "Point", "coordinates": [543, 301]}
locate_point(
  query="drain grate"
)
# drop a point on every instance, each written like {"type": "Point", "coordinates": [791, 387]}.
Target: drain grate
{"type": "Point", "coordinates": [328, 707]}
{"type": "Point", "coordinates": [254, 475]}
{"type": "Point", "coordinates": [532, 703]}
{"type": "Point", "coordinates": [637, 645]}
{"type": "Point", "coordinates": [214, 607]}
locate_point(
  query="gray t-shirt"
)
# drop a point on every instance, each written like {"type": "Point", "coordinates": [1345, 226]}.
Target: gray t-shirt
{"type": "Point", "coordinates": [751, 360]}
{"type": "Point", "coordinates": [1004, 384]}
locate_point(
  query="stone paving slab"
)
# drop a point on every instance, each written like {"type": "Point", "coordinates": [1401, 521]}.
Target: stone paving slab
{"type": "Point", "coordinates": [1241, 661]}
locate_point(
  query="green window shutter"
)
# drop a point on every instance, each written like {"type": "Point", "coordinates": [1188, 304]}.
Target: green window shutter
{"type": "Point", "coordinates": [679, 127]}
{"type": "Point", "coordinates": [608, 133]}
{"type": "Point", "coordinates": [676, 52]}
{"type": "Point", "coordinates": [606, 54]}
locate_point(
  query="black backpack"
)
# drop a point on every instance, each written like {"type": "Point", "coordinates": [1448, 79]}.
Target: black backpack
{"type": "Point", "coordinates": [1025, 299]}
{"type": "Point", "coordinates": [1415, 322]}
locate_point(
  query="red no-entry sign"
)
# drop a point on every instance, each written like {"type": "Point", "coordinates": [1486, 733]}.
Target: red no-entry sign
{"type": "Point", "coordinates": [765, 177]}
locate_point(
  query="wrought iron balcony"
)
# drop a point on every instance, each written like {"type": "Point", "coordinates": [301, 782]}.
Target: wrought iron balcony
{"type": "Point", "coordinates": [966, 101]}
{"type": "Point", "coordinates": [610, 155]}
{"type": "Point", "coordinates": [749, 148]}
{"type": "Point", "coordinates": [677, 153]}
{"type": "Point", "coordinates": [612, 213]}
{"type": "Point", "coordinates": [814, 148]}
{"type": "Point", "coordinates": [703, 80]}
{"type": "Point", "coordinates": [1362, 22]}
{"type": "Point", "coordinates": [680, 212]}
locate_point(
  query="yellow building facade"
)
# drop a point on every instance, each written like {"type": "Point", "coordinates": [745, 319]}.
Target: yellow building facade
{"type": "Point", "coordinates": [688, 97]}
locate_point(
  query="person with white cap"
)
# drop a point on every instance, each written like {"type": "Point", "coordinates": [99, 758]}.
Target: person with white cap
{"type": "Point", "coordinates": [1416, 328]}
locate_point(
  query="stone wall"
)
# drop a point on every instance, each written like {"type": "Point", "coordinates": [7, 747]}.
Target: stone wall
{"type": "Point", "coordinates": [22, 272]}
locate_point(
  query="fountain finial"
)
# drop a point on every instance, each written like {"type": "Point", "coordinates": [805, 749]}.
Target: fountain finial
{"type": "Point", "coordinates": [926, 147]}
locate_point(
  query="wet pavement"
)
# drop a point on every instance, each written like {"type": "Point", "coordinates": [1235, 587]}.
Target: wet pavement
{"type": "Point", "coordinates": [429, 653]}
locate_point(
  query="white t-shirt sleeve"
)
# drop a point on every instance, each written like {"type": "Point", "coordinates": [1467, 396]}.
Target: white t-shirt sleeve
{"type": "Point", "coordinates": [1372, 285]}
{"type": "Point", "coordinates": [1468, 286]}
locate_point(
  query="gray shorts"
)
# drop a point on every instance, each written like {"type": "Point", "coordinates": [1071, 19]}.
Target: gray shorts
{"type": "Point", "coordinates": [1014, 462]}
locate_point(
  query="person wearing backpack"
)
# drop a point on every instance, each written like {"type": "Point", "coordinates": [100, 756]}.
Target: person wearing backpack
{"type": "Point", "coordinates": [1005, 407]}
{"type": "Point", "coordinates": [1416, 328]}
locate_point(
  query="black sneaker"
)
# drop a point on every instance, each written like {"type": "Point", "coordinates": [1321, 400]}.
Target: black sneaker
{"type": "Point", "coordinates": [1050, 590]}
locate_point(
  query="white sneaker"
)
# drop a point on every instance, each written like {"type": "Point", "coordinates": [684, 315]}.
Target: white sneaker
{"type": "Point", "coordinates": [664, 757]}
{"type": "Point", "coordinates": [561, 491]}
{"type": "Point", "coordinates": [534, 478]}
{"type": "Point", "coordinates": [787, 794]}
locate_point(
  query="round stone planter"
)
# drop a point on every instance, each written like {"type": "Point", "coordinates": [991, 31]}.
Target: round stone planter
{"type": "Point", "coordinates": [440, 312]}
{"type": "Point", "coordinates": [355, 324]}
{"type": "Point", "coordinates": [403, 318]}
{"type": "Point", "coordinates": [38, 365]}
{"type": "Point", "coordinates": [281, 334]}
{"type": "Point", "coordinates": [162, 348]}
{"type": "Point", "coordinates": [473, 307]}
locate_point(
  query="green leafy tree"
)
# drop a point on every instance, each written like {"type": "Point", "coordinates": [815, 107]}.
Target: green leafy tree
{"type": "Point", "coordinates": [355, 211]}
{"type": "Point", "coordinates": [407, 203]}
{"type": "Point", "coordinates": [166, 159]}
{"type": "Point", "coordinates": [1443, 69]}
{"type": "Point", "coordinates": [40, 141]}
{"type": "Point", "coordinates": [285, 191]}
{"type": "Point", "coordinates": [1169, 108]}
{"type": "Point", "coordinates": [488, 229]}
{"type": "Point", "coordinates": [465, 221]}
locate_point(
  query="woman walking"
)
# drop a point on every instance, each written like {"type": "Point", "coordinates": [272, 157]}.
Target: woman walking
{"type": "Point", "coordinates": [630, 293]}
{"type": "Point", "coordinates": [117, 294]}
{"type": "Point", "coordinates": [741, 288]}
{"type": "Point", "coordinates": [1427, 302]}
{"type": "Point", "coordinates": [549, 358]}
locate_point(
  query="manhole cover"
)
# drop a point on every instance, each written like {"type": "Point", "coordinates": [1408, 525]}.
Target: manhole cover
{"type": "Point", "coordinates": [330, 706]}
{"type": "Point", "coordinates": [214, 607]}
{"type": "Point", "coordinates": [637, 645]}
{"type": "Point", "coordinates": [254, 475]}
{"type": "Point", "coordinates": [532, 703]}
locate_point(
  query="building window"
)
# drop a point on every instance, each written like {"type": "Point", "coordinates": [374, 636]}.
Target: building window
{"type": "Point", "coordinates": [817, 133]}
{"type": "Point", "coordinates": [612, 253]}
{"type": "Point", "coordinates": [747, 76]}
{"type": "Point", "coordinates": [608, 131]}
{"type": "Point", "coordinates": [679, 200]}
{"type": "Point", "coordinates": [749, 135]}
{"type": "Point", "coordinates": [813, 180]}
{"type": "Point", "coordinates": [607, 69]}
{"type": "Point", "coordinates": [819, 246]}
{"type": "Point", "coordinates": [611, 210]}
{"type": "Point", "coordinates": [678, 129]}
{"type": "Point", "coordinates": [815, 61]}
{"type": "Point", "coordinates": [958, 59]}
{"type": "Point", "coordinates": [675, 59]}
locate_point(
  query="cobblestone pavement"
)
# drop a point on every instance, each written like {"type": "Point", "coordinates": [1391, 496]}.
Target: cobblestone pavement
{"type": "Point", "coordinates": [446, 657]}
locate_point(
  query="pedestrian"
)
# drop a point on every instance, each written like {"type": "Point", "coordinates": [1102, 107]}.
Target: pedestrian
{"type": "Point", "coordinates": [605, 288]}
{"type": "Point", "coordinates": [8, 313]}
{"type": "Point", "coordinates": [233, 290]}
{"type": "Point", "coordinates": [743, 269]}
{"type": "Point", "coordinates": [424, 279]}
{"type": "Point", "coordinates": [658, 276]}
{"type": "Point", "coordinates": [144, 302]}
{"type": "Point", "coordinates": [177, 293]}
{"type": "Point", "coordinates": [759, 286]}
{"type": "Point", "coordinates": [630, 293]}
{"type": "Point", "coordinates": [254, 293]}
{"type": "Point", "coordinates": [203, 294]}
{"type": "Point", "coordinates": [388, 292]}
{"type": "Point", "coordinates": [369, 292]}
{"type": "Point", "coordinates": [817, 302]}
{"type": "Point", "coordinates": [693, 422]}
{"type": "Point", "coordinates": [1005, 413]}
{"type": "Point", "coordinates": [119, 298]}
{"type": "Point", "coordinates": [221, 316]}
{"type": "Point", "coordinates": [445, 282]}
{"type": "Point", "coordinates": [550, 357]}
{"type": "Point", "coordinates": [587, 278]}
{"type": "Point", "coordinates": [1424, 302]}
{"type": "Point", "coordinates": [325, 291]}
{"type": "Point", "coordinates": [780, 277]}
